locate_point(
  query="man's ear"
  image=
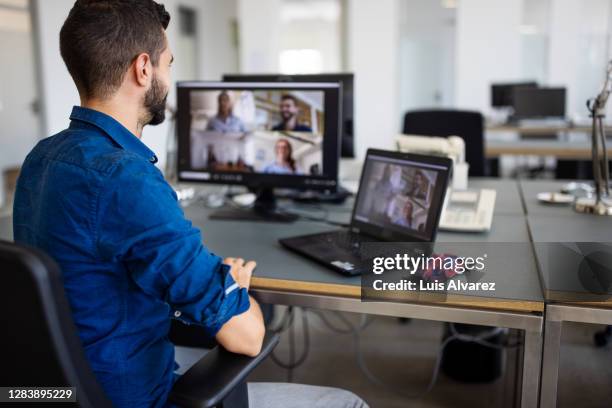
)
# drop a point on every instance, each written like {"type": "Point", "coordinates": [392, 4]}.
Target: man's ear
{"type": "Point", "coordinates": [143, 69]}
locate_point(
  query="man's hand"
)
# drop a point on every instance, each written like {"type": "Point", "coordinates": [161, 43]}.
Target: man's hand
{"type": "Point", "coordinates": [241, 271]}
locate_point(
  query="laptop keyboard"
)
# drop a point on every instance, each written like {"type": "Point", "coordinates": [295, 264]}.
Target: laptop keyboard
{"type": "Point", "coordinates": [347, 240]}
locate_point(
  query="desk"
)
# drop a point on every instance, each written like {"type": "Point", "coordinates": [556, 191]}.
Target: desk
{"type": "Point", "coordinates": [542, 130]}
{"type": "Point", "coordinates": [561, 149]}
{"type": "Point", "coordinates": [563, 224]}
{"type": "Point", "coordinates": [286, 278]}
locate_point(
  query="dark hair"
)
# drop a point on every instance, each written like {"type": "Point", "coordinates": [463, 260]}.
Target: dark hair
{"type": "Point", "coordinates": [289, 159]}
{"type": "Point", "coordinates": [289, 97]}
{"type": "Point", "coordinates": [100, 39]}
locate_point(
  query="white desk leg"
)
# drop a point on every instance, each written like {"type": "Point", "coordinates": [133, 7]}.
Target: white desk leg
{"type": "Point", "coordinates": [550, 363]}
{"type": "Point", "coordinates": [532, 359]}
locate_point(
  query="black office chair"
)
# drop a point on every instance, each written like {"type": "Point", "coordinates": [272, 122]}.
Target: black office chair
{"type": "Point", "coordinates": [465, 124]}
{"type": "Point", "coordinates": [40, 346]}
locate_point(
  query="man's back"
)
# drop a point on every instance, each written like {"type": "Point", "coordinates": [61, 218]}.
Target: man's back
{"type": "Point", "coordinates": [92, 198]}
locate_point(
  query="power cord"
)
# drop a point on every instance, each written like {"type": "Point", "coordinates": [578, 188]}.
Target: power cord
{"type": "Point", "coordinates": [288, 323]}
{"type": "Point", "coordinates": [288, 320]}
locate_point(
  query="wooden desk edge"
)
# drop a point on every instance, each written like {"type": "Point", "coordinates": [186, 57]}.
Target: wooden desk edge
{"type": "Point", "coordinates": [559, 152]}
{"type": "Point", "coordinates": [352, 291]}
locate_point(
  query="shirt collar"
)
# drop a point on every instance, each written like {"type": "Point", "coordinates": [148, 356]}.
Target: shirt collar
{"type": "Point", "coordinates": [113, 129]}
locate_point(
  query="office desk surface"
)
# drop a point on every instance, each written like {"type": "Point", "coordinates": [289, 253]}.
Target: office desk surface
{"type": "Point", "coordinates": [531, 188]}
{"type": "Point", "coordinates": [561, 149]}
{"type": "Point", "coordinates": [561, 243]}
{"type": "Point", "coordinates": [508, 200]}
{"type": "Point", "coordinates": [550, 226]}
{"type": "Point", "coordinates": [541, 130]}
{"type": "Point", "coordinates": [518, 286]}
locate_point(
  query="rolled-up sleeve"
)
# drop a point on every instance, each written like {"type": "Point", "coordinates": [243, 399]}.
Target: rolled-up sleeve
{"type": "Point", "coordinates": [141, 224]}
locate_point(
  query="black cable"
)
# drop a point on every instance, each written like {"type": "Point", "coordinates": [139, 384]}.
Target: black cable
{"type": "Point", "coordinates": [293, 362]}
{"type": "Point", "coordinates": [285, 322]}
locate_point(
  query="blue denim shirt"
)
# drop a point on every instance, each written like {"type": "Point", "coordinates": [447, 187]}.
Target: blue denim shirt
{"type": "Point", "coordinates": [92, 198]}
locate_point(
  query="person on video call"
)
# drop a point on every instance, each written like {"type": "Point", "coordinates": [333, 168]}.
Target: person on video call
{"type": "Point", "coordinates": [385, 189]}
{"type": "Point", "coordinates": [130, 260]}
{"type": "Point", "coordinates": [404, 217]}
{"type": "Point", "coordinates": [225, 121]}
{"type": "Point", "coordinates": [289, 114]}
{"type": "Point", "coordinates": [284, 162]}
{"type": "Point", "coordinates": [419, 186]}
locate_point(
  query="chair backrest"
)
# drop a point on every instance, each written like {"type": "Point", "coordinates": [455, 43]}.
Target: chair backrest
{"type": "Point", "coordinates": [465, 124]}
{"type": "Point", "coordinates": [39, 345]}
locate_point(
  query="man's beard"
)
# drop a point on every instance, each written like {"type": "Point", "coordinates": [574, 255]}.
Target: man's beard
{"type": "Point", "coordinates": [287, 116]}
{"type": "Point", "coordinates": [155, 104]}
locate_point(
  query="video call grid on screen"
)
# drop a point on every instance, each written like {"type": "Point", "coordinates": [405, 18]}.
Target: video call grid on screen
{"type": "Point", "coordinates": [278, 130]}
{"type": "Point", "coordinates": [399, 195]}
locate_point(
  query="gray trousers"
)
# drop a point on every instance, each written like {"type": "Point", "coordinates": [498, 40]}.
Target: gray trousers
{"type": "Point", "coordinates": [288, 395]}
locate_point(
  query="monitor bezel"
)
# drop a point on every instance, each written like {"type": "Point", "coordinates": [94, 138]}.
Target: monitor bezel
{"type": "Point", "coordinates": [391, 235]}
{"type": "Point", "coordinates": [330, 148]}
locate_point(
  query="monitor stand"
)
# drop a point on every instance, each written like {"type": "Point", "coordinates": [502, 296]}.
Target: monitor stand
{"type": "Point", "coordinates": [264, 209]}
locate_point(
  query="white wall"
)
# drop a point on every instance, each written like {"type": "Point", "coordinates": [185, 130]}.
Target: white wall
{"type": "Point", "coordinates": [578, 50]}
{"type": "Point", "coordinates": [260, 31]}
{"type": "Point", "coordinates": [59, 92]}
{"type": "Point", "coordinates": [427, 60]}
{"type": "Point", "coordinates": [19, 124]}
{"type": "Point", "coordinates": [372, 31]}
{"type": "Point", "coordinates": [488, 49]}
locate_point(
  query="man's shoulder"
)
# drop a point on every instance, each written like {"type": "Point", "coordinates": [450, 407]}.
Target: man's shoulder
{"type": "Point", "coordinates": [87, 150]}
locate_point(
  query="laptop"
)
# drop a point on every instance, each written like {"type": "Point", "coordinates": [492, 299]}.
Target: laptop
{"type": "Point", "coordinates": [400, 199]}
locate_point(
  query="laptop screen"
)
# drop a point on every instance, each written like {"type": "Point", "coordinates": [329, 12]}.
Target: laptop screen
{"type": "Point", "coordinates": [402, 195]}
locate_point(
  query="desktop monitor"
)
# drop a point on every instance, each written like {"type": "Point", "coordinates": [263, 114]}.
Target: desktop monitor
{"type": "Point", "coordinates": [346, 79]}
{"type": "Point", "coordinates": [502, 95]}
{"type": "Point", "coordinates": [539, 103]}
{"type": "Point", "coordinates": [260, 135]}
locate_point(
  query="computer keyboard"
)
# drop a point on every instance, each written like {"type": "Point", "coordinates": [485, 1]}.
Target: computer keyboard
{"type": "Point", "coordinates": [347, 240]}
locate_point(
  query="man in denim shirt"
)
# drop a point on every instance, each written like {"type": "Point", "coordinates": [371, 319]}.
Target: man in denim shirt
{"type": "Point", "coordinates": [92, 198]}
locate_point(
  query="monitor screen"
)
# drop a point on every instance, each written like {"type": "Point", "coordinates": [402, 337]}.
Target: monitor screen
{"type": "Point", "coordinates": [502, 94]}
{"type": "Point", "coordinates": [346, 79]}
{"type": "Point", "coordinates": [539, 103]}
{"type": "Point", "coordinates": [402, 194]}
{"type": "Point", "coordinates": [257, 134]}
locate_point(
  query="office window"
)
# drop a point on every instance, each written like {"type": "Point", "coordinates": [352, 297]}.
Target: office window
{"type": "Point", "coordinates": [187, 45]}
{"type": "Point", "coordinates": [426, 54]}
{"type": "Point", "coordinates": [19, 113]}
{"type": "Point", "coordinates": [310, 40]}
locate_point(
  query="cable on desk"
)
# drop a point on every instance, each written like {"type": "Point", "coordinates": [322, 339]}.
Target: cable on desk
{"type": "Point", "coordinates": [293, 362]}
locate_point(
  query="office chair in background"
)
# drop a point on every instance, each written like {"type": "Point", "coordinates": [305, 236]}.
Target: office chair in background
{"type": "Point", "coordinates": [465, 124]}
{"type": "Point", "coordinates": [40, 346]}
